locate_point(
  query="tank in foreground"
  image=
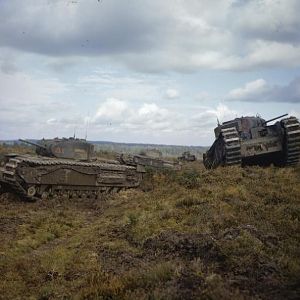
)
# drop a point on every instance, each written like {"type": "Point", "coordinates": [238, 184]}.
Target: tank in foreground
{"type": "Point", "coordinates": [64, 166]}
{"type": "Point", "coordinates": [251, 141]}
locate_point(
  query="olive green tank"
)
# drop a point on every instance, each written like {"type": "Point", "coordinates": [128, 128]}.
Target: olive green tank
{"type": "Point", "coordinates": [251, 141]}
{"type": "Point", "coordinates": [64, 166]}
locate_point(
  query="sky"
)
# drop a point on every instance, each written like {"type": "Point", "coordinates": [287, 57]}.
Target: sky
{"type": "Point", "coordinates": [146, 71]}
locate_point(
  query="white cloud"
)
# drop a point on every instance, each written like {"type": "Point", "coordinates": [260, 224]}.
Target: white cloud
{"type": "Point", "coordinates": [267, 19]}
{"type": "Point", "coordinates": [51, 121]}
{"type": "Point", "coordinates": [113, 110]}
{"type": "Point", "coordinates": [172, 93]}
{"type": "Point", "coordinates": [151, 119]}
{"type": "Point", "coordinates": [260, 91]}
{"type": "Point", "coordinates": [149, 36]}
{"type": "Point", "coordinates": [271, 54]}
{"type": "Point", "coordinates": [250, 91]}
{"type": "Point", "coordinates": [29, 105]}
{"type": "Point", "coordinates": [118, 61]}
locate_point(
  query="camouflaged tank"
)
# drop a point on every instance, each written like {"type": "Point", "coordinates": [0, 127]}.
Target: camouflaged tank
{"type": "Point", "coordinates": [66, 167]}
{"type": "Point", "coordinates": [251, 141]}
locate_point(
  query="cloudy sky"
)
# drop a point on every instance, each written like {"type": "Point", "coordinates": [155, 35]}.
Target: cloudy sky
{"type": "Point", "coordinates": [145, 71]}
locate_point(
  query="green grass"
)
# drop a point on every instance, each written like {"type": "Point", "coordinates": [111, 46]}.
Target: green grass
{"type": "Point", "coordinates": [229, 233]}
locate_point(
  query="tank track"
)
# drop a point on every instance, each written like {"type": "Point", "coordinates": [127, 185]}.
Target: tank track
{"type": "Point", "coordinates": [225, 151]}
{"type": "Point", "coordinates": [292, 141]}
{"type": "Point", "coordinates": [10, 176]}
{"type": "Point", "coordinates": [232, 146]}
{"type": "Point", "coordinates": [127, 159]}
{"type": "Point", "coordinates": [12, 179]}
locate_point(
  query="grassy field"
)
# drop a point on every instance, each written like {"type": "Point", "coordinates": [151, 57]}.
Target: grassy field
{"type": "Point", "coordinates": [229, 233]}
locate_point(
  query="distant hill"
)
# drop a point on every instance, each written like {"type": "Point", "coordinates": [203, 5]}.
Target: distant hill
{"type": "Point", "coordinates": [134, 148]}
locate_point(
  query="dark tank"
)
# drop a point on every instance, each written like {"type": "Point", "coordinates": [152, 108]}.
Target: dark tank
{"type": "Point", "coordinates": [147, 159]}
{"type": "Point", "coordinates": [251, 141]}
{"type": "Point", "coordinates": [66, 167]}
{"type": "Point", "coordinates": [187, 156]}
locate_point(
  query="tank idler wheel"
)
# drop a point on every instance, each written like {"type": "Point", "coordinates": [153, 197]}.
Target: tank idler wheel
{"type": "Point", "coordinates": [31, 191]}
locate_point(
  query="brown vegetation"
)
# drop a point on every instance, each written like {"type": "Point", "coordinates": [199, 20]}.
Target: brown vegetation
{"type": "Point", "coordinates": [227, 233]}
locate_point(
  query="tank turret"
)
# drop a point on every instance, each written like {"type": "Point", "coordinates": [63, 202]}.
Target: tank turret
{"type": "Point", "coordinates": [68, 148]}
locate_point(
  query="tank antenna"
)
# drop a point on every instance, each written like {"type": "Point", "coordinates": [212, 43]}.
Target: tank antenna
{"type": "Point", "coordinates": [74, 132]}
{"type": "Point", "coordinates": [218, 121]}
{"type": "Point", "coordinates": [87, 126]}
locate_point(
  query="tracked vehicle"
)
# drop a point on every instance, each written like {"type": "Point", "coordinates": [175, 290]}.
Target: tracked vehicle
{"type": "Point", "coordinates": [187, 156]}
{"type": "Point", "coordinates": [64, 167]}
{"type": "Point", "coordinates": [251, 141]}
{"type": "Point", "coordinates": [148, 160]}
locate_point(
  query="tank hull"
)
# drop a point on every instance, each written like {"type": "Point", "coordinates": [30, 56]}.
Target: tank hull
{"type": "Point", "coordinates": [40, 177]}
{"type": "Point", "coordinates": [277, 144]}
{"type": "Point", "coordinates": [142, 161]}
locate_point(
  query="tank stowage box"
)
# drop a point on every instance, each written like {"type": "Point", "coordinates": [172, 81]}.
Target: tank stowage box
{"type": "Point", "coordinates": [64, 167]}
{"type": "Point", "coordinates": [251, 141]}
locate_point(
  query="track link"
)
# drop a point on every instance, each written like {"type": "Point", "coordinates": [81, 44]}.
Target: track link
{"type": "Point", "coordinates": [292, 138]}
{"type": "Point", "coordinates": [10, 176]}
{"type": "Point", "coordinates": [127, 159]}
{"type": "Point", "coordinates": [226, 150]}
{"type": "Point", "coordinates": [232, 146]}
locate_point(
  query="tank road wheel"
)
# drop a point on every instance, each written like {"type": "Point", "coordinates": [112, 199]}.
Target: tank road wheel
{"type": "Point", "coordinates": [232, 146]}
{"type": "Point", "coordinates": [291, 128]}
{"type": "Point", "coordinates": [31, 191]}
{"type": "Point", "coordinates": [44, 195]}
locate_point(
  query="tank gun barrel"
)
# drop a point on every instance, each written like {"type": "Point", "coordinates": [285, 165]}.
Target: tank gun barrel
{"type": "Point", "coordinates": [33, 144]}
{"type": "Point", "coordinates": [275, 118]}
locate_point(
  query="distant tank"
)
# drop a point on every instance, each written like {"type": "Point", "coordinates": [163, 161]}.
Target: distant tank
{"type": "Point", "coordinates": [145, 159]}
{"type": "Point", "coordinates": [251, 141]}
{"type": "Point", "coordinates": [187, 156]}
{"type": "Point", "coordinates": [64, 166]}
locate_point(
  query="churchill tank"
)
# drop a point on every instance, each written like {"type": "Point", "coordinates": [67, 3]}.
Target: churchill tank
{"type": "Point", "coordinates": [147, 160]}
{"type": "Point", "coordinates": [252, 141]}
{"type": "Point", "coordinates": [64, 166]}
